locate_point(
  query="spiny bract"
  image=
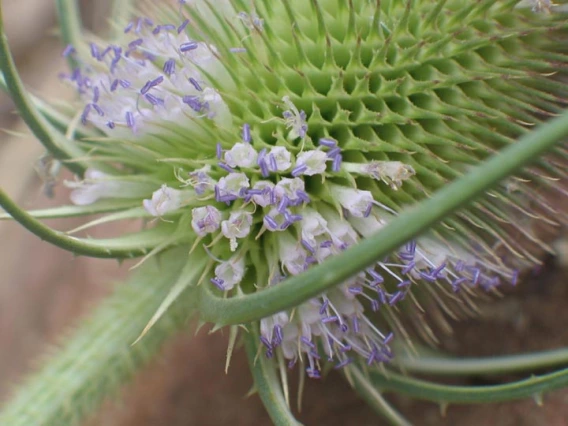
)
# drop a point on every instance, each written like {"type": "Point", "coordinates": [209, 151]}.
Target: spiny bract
{"type": "Point", "coordinates": [271, 135]}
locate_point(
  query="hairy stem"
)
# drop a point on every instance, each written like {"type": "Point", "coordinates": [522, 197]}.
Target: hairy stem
{"type": "Point", "coordinates": [99, 357]}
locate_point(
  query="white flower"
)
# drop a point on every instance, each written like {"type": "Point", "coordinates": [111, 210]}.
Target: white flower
{"type": "Point", "coordinates": [357, 202]}
{"type": "Point", "coordinates": [295, 119]}
{"type": "Point", "coordinates": [367, 226]}
{"type": "Point", "coordinates": [310, 163]}
{"type": "Point", "coordinates": [265, 198]}
{"type": "Point", "coordinates": [200, 179]}
{"type": "Point", "coordinates": [393, 173]}
{"type": "Point", "coordinates": [233, 184]}
{"type": "Point", "coordinates": [292, 256]}
{"type": "Point", "coordinates": [241, 155]}
{"type": "Point", "coordinates": [163, 201]}
{"type": "Point", "coordinates": [231, 272]}
{"type": "Point", "coordinates": [205, 220]}
{"type": "Point", "coordinates": [96, 185]}
{"type": "Point", "coordinates": [289, 188]}
{"type": "Point", "coordinates": [313, 224]}
{"type": "Point", "coordinates": [237, 226]}
{"type": "Point", "coordinates": [282, 159]}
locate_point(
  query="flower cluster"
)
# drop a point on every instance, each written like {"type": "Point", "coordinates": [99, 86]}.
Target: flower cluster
{"type": "Point", "coordinates": [302, 198]}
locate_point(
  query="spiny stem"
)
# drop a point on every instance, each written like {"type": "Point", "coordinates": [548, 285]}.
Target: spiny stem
{"type": "Point", "coordinates": [99, 357]}
{"type": "Point", "coordinates": [403, 228]}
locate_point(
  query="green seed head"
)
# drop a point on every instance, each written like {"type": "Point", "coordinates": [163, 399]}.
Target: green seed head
{"type": "Point", "coordinates": [278, 133]}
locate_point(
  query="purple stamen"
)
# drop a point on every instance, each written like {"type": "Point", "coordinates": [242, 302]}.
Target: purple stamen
{"type": "Point", "coordinates": [263, 168]}
{"type": "Point", "coordinates": [336, 166]}
{"type": "Point", "coordinates": [195, 84]}
{"type": "Point", "coordinates": [134, 44]}
{"type": "Point", "coordinates": [330, 143]}
{"type": "Point", "coordinates": [327, 320]}
{"type": "Point", "coordinates": [355, 290]}
{"type": "Point", "coordinates": [110, 124]}
{"type": "Point", "coordinates": [246, 133]}
{"type": "Point", "coordinates": [324, 306]}
{"type": "Point", "coordinates": [182, 26]}
{"type": "Point", "coordinates": [302, 195]}
{"type": "Point", "coordinates": [305, 340]}
{"type": "Point", "coordinates": [326, 244]}
{"type": "Point", "coordinates": [218, 283]}
{"type": "Point", "coordinates": [85, 114]}
{"type": "Point", "coordinates": [170, 66]}
{"type": "Point", "coordinates": [343, 363]}
{"type": "Point", "coordinates": [219, 150]}
{"type": "Point", "coordinates": [333, 152]}
{"type": "Point", "coordinates": [186, 47]}
{"type": "Point", "coordinates": [308, 246]}
{"type": "Point", "coordinates": [395, 298]}
{"type": "Point", "coordinates": [69, 50]}
{"type": "Point", "coordinates": [298, 170]}
{"type": "Point", "coordinates": [313, 373]}
{"type": "Point", "coordinates": [375, 305]}
{"type": "Point", "coordinates": [408, 268]}
{"type": "Point", "coordinates": [95, 51]}
{"type": "Point", "coordinates": [128, 27]}
{"type": "Point", "coordinates": [368, 211]}
{"type": "Point", "coordinates": [388, 338]}
{"type": "Point", "coordinates": [270, 222]}
{"type": "Point", "coordinates": [377, 278]}
{"type": "Point", "coordinates": [283, 204]}
{"type": "Point", "coordinates": [130, 119]}
{"type": "Point", "coordinates": [98, 109]}
{"type": "Point", "coordinates": [153, 99]}
{"type": "Point", "coordinates": [272, 162]}
{"type": "Point", "coordinates": [403, 284]}
{"type": "Point", "coordinates": [151, 84]}
{"type": "Point", "coordinates": [355, 322]}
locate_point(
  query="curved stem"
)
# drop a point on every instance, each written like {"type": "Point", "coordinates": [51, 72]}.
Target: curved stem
{"type": "Point", "coordinates": [128, 246]}
{"type": "Point", "coordinates": [70, 24]}
{"type": "Point", "coordinates": [483, 366]}
{"type": "Point", "coordinates": [422, 389]}
{"type": "Point", "coordinates": [267, 384]}
{"type": "Point", "coordinates": [99, 357]}
{"type": "Point", "coordinates": [74, 211]}
{"type": "Point", "coordinates": [403, 228]}
{"type": "Point", "coordinates": [54, 142]}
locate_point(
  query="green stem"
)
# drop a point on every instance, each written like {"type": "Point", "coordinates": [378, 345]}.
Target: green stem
{"type": "Point", "coordinates": [534, 386]}
{"type": "Point", "coordinates": [121, 13]}
{"type": "Point", "coordinates": [267, 384]}
{"type": "Point", "coordinates": [409, 224]}
{"type": "Point", "coordinates": [105, 206]}
{"type": "Point", "coordinates": [374, 398]}
{"type": "Point", "coordinates": [483, 366]}
{"type": "Point", "coordinates": [71, 26]}
{"type": "Point", "coordinates": [55, 143]}
{"type": "Point", "coordinates": [99, 357]}
{"type": "Point", "coordinates": [128, 246]}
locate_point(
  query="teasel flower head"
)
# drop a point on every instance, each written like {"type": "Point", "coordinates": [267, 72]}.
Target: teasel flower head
{"type": "Point", "coordinates": [275, 135]}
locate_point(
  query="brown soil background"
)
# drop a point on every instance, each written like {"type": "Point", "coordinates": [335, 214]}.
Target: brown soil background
{"type": "Point", "coordinates": [44, 290]}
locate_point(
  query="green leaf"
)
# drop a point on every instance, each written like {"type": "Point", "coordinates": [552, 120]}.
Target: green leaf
{"type": "Point", "coordinates": [267, 383]}
{"type": "Point", "coordinates": [409, 224]}
{"type": "Point", "coordinates": [99, 357]}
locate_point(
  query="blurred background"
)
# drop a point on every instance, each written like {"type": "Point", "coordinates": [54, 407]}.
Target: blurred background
{"type": "Point", "coordinates": [44, 291]}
